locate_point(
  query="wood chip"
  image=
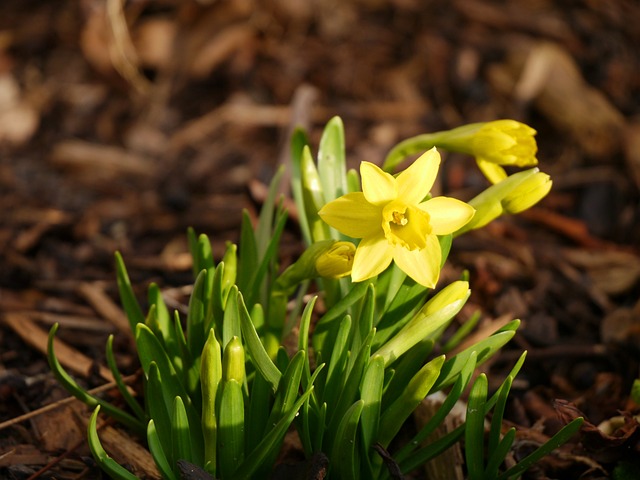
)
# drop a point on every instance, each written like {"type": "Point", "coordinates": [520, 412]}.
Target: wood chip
{"type": "Point", "coordinates": [68, 356]}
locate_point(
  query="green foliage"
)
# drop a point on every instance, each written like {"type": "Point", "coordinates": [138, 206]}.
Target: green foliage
{"type": "Point", "coordinates": [221, 392]}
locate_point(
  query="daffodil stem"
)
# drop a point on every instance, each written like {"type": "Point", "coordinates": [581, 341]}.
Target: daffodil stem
{"type": "Point", "coordinates": [410, 146]}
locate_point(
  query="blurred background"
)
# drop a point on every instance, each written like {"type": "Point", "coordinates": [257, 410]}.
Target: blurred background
{"type": "Point", "coordinates": [124, 123]}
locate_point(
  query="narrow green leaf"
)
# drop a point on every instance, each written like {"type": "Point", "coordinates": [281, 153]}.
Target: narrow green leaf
{"type": "Point", "coordinates": [74, 389]}
{"type": "Point", "coordinates": [313, 197]}
{"type": "Point", "coordinates": [158, 454]}
{"type": "Point", "coordinates": [261, 359]}
{"type": "Point", "coordinates": [270, 253]}
{"type": "Point", "coordinates": [298, 142]}
{"type": "Point", "coordinates": [270, 444]}
{"type": "Point", "coordinates": [159, 408]}
{"type": "Point", "coordinates": [303, 338]}
{"type": "Point", "coordinates": [231, 429]}
{"type": "Point", "coordinates": [405, 369]}
{"type": "Point", "coordinates": [343, 455]}
{"type": "Point", "coordinates": [461, 332]}
{"type": "Point", "coordinates": [248, 255]}
{"type": "Point", "coordinates": [452, 397]}
{"type": "Point", "coordinates": [332, 167]}
{"type": "Point", "coordinates": [485, 349]}
{"type": "Point", "coordinates": [324, 333]}
{"type": "Point", "coordinates": [265, 220]}
{"type": "Point", "coordinates": [474, 431]}
{"type": "Point", "coordinates": [288, 387]}
{"type": "Point", "coordinates": [106, 463]}
{"type": "Point", "coordinates": [498, 454]}
{"type": "Point", "coordinates": [336, 377]}
{"type": "Point", "coordinates": [394, 416]}
{"type": "Point", "coordinates": [261, 399]}
{"type": "Point", "coordinates": [435, 315]}
{"type": "Point", "coordinates": [498, 413]}
{"type": "Point", "coordinates": [127, 297]}
{"type": "Point", "coordinates": [122, 387]}
{"type": "Point", "coordinates": [192, 242]}
{"type": "Point", "coordinates": [371, 395]}
{"type": "Point", "coordinates": [554, 442]}
{"type": "Point", "coordinates": [180, 437]}
{"type": "Point", "coordinates": [196, 316]}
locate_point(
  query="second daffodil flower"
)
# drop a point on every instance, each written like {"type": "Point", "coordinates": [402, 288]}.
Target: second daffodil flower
{"type": "Point", "coordinates": [394, 222]}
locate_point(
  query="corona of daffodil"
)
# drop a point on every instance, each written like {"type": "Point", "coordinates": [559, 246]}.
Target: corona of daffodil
{"type": "Point", "coordinates": [394, 221]}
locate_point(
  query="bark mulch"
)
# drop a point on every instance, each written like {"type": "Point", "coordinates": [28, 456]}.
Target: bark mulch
{"type": "Point", "coordinates": [121, 126]}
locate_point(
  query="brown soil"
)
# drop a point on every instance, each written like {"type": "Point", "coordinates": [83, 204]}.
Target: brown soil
{"type": "Point", "coordinates": [120, 128]}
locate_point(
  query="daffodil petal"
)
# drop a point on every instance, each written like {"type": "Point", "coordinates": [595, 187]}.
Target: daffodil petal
{"type": "Point", "coordinates": [447, 214]}
{"type": "Point", "coordinates": [352, 215]}
{"type": "Point", "coordinates": [416, 181]}
{"type": "Point", "coordinates": [421, 265]}
{"type": "Point", "coordinates": [373, 256]}
{"type": "Point", "coordinates": [494, 172]}
{"type": "Point", "coordinates": [378, 186]}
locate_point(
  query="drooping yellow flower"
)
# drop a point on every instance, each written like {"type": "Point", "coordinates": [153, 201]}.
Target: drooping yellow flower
{"type": "Point", "coordinates": [496, 143]}
{"type": "Point", "coordinates": [394, 222]}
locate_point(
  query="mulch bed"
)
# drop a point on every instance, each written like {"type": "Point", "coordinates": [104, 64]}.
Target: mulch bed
{"type": "Point", "coordinates": [122, 127]}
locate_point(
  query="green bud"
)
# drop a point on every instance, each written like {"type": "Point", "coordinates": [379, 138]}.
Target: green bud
{"type": "Point", "coordinates": [233, 361]}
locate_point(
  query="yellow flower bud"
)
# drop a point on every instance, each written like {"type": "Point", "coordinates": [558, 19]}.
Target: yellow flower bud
{"type": "Point", "coordinates": [336, 262]}
{"type": "Point", "coordinates": [527, 193]}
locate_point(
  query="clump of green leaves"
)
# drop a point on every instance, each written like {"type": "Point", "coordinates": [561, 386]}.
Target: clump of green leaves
{"type": "Point", "coordinates": [220, 390]}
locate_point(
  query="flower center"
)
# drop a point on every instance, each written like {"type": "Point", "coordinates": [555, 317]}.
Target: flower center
{"type": "Point", "coordinates": [405, 225]}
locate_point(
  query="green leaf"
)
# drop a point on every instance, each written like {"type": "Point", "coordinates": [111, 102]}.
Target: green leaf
{"type": "Point", "coordinates": [313, 197]}
{"type": "Point", "coordinates": [196, 316]}
{"type": "Point", "coordinates": [231, 429]}
{"type": "Point", "coordinates": [431, 318]}
{"type": "Point", "coordinates": [484, 349]}
{"type": "Point", "coordinates": [180, 437]}
{"type": "Point", "coordinates": [261, 399]}
{"type": "Point", "coordinates": [127, 297]}
{"type": "Point", "coordinates": [106, 463]}
{"type": "Point", "coordinates": [270, 444]}
{"type": "Point", "coordinates": [248, 255]}
{"type": "Point", "coordinates": [74, 389]}
{"type": "Point", "coordinates": [454, 394]}
{"type": "Point", "coordinates": [298, 142]}
{"type": "Point", "coordinates": [332, 167]}
{"type": "Point", "coordinates": [343, 455]}
{"type": "Point", "coordinates": [158, 454]}
{"type": "Point", "coordinates": [554, 442]}
{"type": "Point", "coordinates": [270, 253]}
{"type": "Point", "coordinates": [394, 416]}
{"type": "Point", "coordinates": [337, 365]}
{"type": "Point", "coordinates": [303, 338]}
{"type": "Point", "coordinates": [122, 387]}
{"type": "Point", "coordinates": [324, 333]}
{"type": "Point", "coordinates": [498, 454]}
{"type": "Point", "coordinates": [405, 369]}
{"type": "Point", "coordinates": [265, 220]}
{"type": "Point", "coordinates": [288, 388]}
{"type": "Point", "coordinates": [261, 359]}
{"type": "Point", "coordinates": [371, 395]}
{"type": "Point", "coordinates": [461, 332]}
{"type": "Point", "coordinates": [403, 306]}
{"type": "Point", "coordinates": [159, 408]}
{"type": "Point", "coordinates": [474, 431]}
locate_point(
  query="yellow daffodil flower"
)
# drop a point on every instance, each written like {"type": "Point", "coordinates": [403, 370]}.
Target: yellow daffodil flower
{"type": "Point", "coordinates": [501, 142]}
{"type": "Point", "coordinates": [394, 222]}
{"type": "Point", "coordinates": [493, 144]}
